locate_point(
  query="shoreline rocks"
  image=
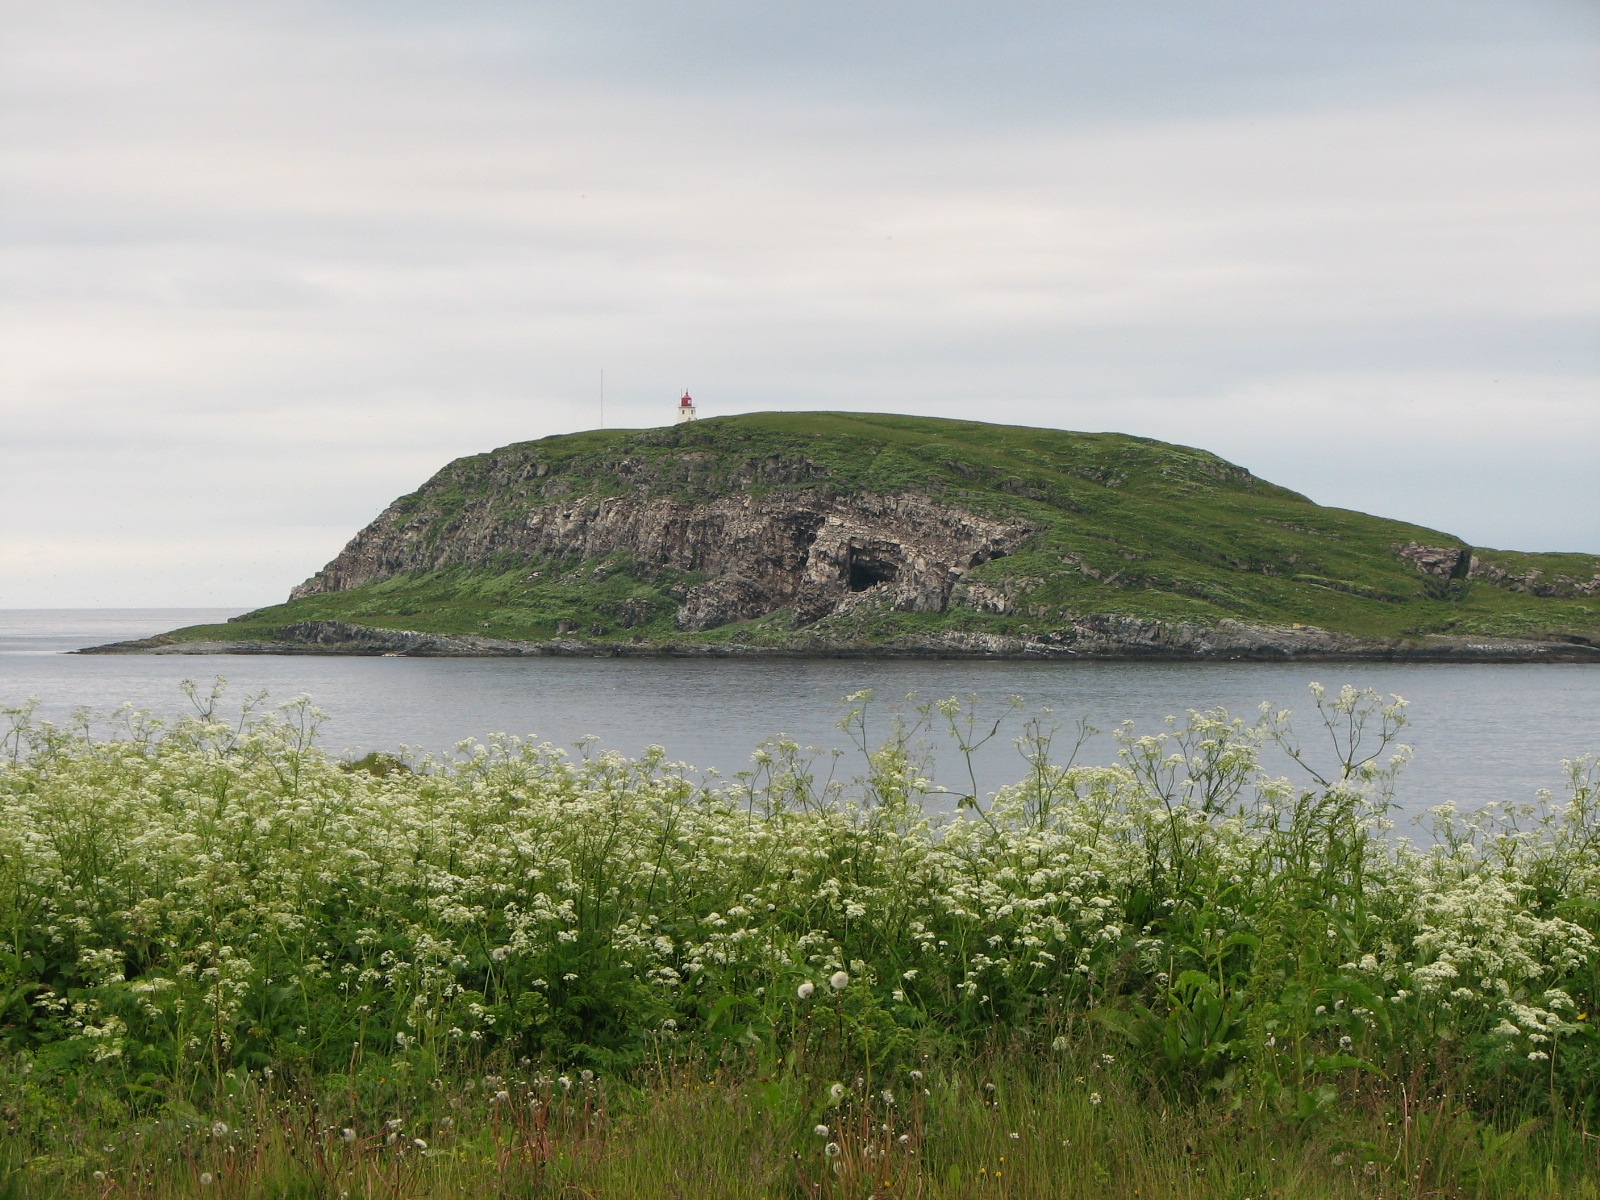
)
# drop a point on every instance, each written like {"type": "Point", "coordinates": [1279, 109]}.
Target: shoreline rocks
{"type": "Point", "coordinates": [1091, 638]}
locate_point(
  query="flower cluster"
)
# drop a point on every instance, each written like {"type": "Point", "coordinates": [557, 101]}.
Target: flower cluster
{"type": "Point", "coordinates": [192, 895]}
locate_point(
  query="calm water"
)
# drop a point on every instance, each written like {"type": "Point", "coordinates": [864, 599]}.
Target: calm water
{"type": "Point", "coordinates": [1480, 732]}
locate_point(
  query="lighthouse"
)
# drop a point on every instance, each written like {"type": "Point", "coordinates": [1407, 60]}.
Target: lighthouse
{"type": "Point", "coordinates": [685, 409]}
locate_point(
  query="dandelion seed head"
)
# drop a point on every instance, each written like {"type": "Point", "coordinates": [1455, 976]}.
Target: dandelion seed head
{"type": "Point", "coordinates": [805, 989]}
{"type": "Point", "coordinates": [839, 980]}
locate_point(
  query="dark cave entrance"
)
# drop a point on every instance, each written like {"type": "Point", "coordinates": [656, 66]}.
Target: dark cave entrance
{"type": "Point", "coordinates": [868, 567]}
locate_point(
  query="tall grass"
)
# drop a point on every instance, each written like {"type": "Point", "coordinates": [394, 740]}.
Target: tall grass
{"type": "Point", "coordinates": [1177, 975]}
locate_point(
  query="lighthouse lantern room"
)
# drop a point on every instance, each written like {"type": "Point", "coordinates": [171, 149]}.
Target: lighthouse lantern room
{"type": "Point", "coordinates": [685, 409]}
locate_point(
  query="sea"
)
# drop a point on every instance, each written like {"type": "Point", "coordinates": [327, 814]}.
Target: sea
{"type": "Point", "coordinates": [1478, 732]}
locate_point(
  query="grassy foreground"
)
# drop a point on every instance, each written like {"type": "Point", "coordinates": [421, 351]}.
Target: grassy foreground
{"type": "Point", "coordinates": [232, 965]}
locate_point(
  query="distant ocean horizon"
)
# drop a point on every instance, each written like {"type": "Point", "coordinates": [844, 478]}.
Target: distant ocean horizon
{"type": "Point", "coordinates": [1481, 732]}
{"type": "Point", "coordinates": [58, 630]}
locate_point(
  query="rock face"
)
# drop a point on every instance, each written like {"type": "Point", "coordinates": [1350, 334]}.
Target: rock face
{"type": "Point", "coordinates": [1440, 562]}
{"type": "Point", "coordinates": [1459, 562]}
{"type": "Point", "coordinates": [1533, 582]}
{"type": "Point", "coordinates": [807, 550]}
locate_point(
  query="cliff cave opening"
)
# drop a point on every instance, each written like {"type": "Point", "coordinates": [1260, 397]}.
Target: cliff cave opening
{"type": "Point", "coordinates": [868, 568]}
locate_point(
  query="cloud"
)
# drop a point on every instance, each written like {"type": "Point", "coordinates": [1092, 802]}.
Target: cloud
{"type": "Point", "coordinates": [293, 257]}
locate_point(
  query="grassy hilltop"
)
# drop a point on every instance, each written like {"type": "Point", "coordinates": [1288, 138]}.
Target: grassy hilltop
{"type": "Point", "coordinates": [1120, 526]}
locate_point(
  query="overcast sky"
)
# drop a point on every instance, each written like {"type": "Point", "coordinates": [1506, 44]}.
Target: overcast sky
{"type": "Point", "coordinates": [268, 265]}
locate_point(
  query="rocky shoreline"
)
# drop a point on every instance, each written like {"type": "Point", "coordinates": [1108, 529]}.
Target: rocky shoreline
{"type": "Point", "coordinates": [1090, 638]}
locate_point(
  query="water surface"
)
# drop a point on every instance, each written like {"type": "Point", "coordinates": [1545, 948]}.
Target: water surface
{"type": "Point", "coordinates": [1480, 731]}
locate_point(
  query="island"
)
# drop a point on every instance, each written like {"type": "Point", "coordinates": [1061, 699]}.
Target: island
{"type": "Point", "coordinates": [831, 534]}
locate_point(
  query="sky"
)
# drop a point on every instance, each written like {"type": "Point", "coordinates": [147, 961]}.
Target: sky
{"type": "Point", "coordinates": [268, 265]}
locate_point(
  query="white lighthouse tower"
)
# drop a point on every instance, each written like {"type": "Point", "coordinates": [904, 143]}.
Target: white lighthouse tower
{"type": "Point", "coordinates": [685, 409]}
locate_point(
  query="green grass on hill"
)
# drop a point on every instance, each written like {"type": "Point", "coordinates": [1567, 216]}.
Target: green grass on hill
{"type": "Point", "coordinates": [1127, 526]}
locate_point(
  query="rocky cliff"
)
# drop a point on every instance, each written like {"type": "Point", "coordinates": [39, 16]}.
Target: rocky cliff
{"type": "Point", "coordinates": [805, 550]}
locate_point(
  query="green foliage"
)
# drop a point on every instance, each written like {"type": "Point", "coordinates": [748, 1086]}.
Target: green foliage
{"type": "Point", "coordinates": [1005, 1122]}
{"type": "Point", "coordinates": [190, 910]}
{"type": "Point", "coordinates": [193, 899]}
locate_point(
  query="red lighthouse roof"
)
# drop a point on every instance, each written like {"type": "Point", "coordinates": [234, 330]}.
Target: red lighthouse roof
{"type": "Point", "coordinates": [686, 402]}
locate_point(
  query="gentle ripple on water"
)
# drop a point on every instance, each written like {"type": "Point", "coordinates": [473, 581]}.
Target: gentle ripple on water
{"type": "Point", "coordinates": [1481, 732]}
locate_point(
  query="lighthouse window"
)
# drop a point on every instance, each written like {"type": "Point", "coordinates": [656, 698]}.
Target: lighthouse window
{"type": "Point", "coordinates": [867, 569]}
